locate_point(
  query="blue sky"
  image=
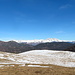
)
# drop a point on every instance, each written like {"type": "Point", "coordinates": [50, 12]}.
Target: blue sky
{"type": "Point", "coordinates": [37, 19]}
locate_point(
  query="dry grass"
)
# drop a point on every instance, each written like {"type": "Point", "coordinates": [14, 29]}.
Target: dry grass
{"type": "Point", "coordinates": [24, 70]}
{"type": "Point", "coordinates": [5, 60]}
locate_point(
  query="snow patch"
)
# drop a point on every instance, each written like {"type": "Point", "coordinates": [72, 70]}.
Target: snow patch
{"type": "Point", "coordinates": [37, 66]}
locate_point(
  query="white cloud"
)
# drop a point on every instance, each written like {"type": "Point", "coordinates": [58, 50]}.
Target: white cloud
{"type": "Point", "coordinates": [65, 6]}
{"type": "Point", "coordinates": [73, 22]}
{"type": "Point", "coordinates": [58, 32]}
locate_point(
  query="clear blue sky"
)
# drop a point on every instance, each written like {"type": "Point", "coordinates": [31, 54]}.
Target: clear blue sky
{"type": "Point", "coordinates": [37, 19]}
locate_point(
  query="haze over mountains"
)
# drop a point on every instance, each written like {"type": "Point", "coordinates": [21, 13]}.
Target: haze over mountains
{"type": "Point", "coordinates": [27, 45]}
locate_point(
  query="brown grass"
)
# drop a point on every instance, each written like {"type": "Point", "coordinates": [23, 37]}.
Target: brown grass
{"type": "Point", "coordinates": [24, 70]}
{"type": "Point", "coordinates": [5, 60]}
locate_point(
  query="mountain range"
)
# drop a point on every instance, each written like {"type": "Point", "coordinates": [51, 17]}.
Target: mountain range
{"type": "Point", "coordinates": [61, 53]}
{"type": "Point", "coordinates": [23, 46]}
{"type": "Point", "coordinates": [53, 46]}
{"type": "Point", "coordinates": [35, 42]}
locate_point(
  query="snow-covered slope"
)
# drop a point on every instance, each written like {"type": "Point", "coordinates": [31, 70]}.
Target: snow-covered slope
{"type": "Point", "coordinates": [61, 58]}
{"type": "Point", "coordinates": [7, 58]}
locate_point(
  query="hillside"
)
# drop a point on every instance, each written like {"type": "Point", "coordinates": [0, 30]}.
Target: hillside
{"type": "Point", "coordinates": [38, 62]}
{"type": "Point", "coordinates": [14, 47]}
{"type": "Point", "coordinates": [54, 45]}
{"type": "Point", "coordinates": [61, 58]}
{"type": "Point", "coordinates": [25, 70]}
{"type": "Point", "coordinates": [72, 49]}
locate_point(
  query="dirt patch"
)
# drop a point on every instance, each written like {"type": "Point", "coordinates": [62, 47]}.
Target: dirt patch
{"type": "Point", "coordinates": [24, 70]}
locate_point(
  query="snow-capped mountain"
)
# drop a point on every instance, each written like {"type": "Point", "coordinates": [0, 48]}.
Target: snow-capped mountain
{"type": "Point", "coordinates": [38, 41]}
{"type": "Point", "coordinates": [35, 42]}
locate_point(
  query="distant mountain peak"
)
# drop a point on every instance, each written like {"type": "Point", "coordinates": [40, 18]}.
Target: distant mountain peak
{"type": "Point", "coordinates": [39, 41]}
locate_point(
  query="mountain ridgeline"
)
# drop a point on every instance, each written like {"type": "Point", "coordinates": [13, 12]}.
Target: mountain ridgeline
{"type": "Point", "coordinates": [72, 49]}
{"type": "Point", "coordinates": [14, 47]}
{"type": "Point", "coordinates": [54, 46]}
